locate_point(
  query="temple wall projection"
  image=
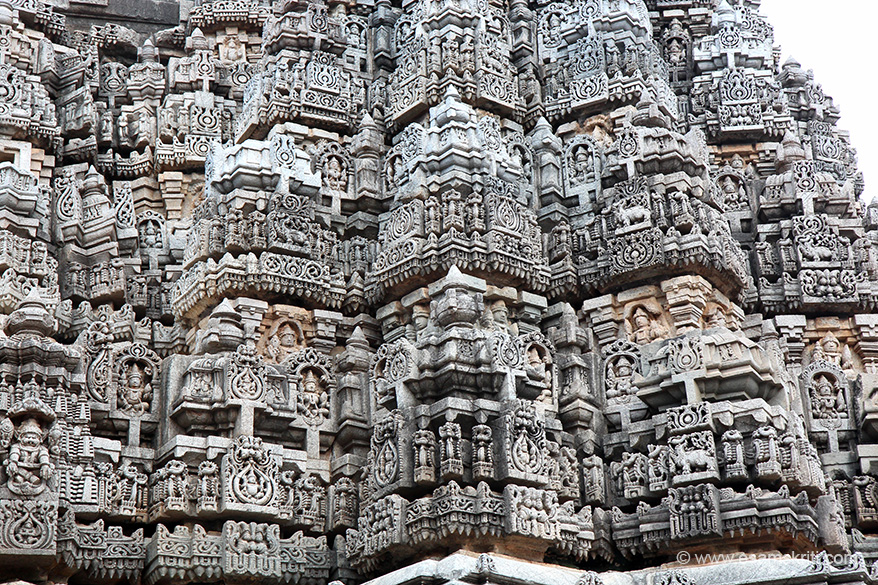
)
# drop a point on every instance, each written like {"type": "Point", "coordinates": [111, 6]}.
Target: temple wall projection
{"type": "Point", "coordinates": [429, 292]}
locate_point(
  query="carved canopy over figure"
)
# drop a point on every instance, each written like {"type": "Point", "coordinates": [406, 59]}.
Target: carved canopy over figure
{"type": "Point", "coordinates": [137, 367]}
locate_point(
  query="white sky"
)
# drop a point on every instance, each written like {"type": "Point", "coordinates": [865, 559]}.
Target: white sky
{"type": "Point", "coordinates": [837, 39]}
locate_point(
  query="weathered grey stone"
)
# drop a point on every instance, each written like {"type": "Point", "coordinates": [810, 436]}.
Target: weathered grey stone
{"type": "Point", "coordinates": [471, 291]}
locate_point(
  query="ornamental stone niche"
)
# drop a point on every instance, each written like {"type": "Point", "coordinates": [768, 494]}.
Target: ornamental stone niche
{"type": "Point", "coordinates": [317, 292]}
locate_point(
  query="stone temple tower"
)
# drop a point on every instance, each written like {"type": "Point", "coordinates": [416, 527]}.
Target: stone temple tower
{"type": "Point", "coordinates": [429, 292]}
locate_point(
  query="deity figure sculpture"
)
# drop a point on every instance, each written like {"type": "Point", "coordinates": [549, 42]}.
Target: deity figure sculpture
{"type": "Point", "coordinates": [390, 171]}
{"type": "Point", "coordinates": [500, 315]}
{"type": "Point", "coordinates": [234, 50]}
{"type": "Point", "coordinates": [580, 165]}
{"type": "Point", "coordinates": [288, 481]}
{"type": "Point", "coordinates": [28, 466]}
{"type": "Point", "coordinates": [540, 364]}
{"type": "Point", "coordinates": [283, 342]}
{"type": "Point", "coordinates": [135, 390]}
{"type": "Point", "coordinates": [310, 500]}
{"type": "Point", "coordinates": [150, 235]}
{"type": "Point", "coordinates": [420, 316]}
{"type": "Point", "coordinates": [467, 53]}
{"type": "Point", "coordinates": [335, 175]}
{"type": "Point", "coordinates": [619, 377]}
{"type": "Point", "coordinates": [644, 327]}
{"type": "Point", "coordinates": [827, 400]}
{"type": "Point", "coordinates": [105, 128]}
{"type": "Point", "coordinates": [734, 194]}
{"type": "Point", "coordinates": [676, 52]}
{"type": "Point", "coordinates": [313, 400]}
{"type": "Point", "coordinates": [830, 350]}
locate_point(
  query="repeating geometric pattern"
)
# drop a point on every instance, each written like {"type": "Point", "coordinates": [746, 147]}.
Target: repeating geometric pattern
{"type": "Point", "coordinates": [308, 291]}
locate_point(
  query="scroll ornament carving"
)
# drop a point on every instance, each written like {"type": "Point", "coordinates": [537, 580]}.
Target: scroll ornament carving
{"type": "Point", "coordinates": [250, 473]}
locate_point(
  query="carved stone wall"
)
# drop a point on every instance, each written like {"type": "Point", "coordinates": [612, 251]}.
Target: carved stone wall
{"type": "Point", "coordinates": [429, 290]}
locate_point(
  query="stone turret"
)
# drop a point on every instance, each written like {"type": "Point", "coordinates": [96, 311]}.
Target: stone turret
{"type": "Point", "coordinates": [459, 291]}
